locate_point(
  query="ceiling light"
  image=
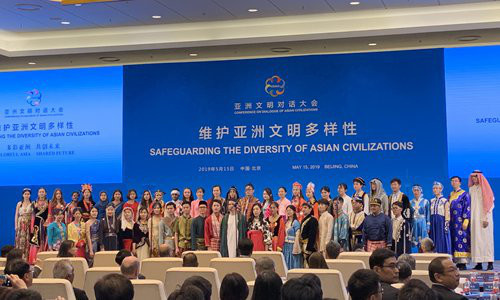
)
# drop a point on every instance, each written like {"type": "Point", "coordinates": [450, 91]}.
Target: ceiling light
{"type": "Point", "coordinates": [65, 22]}
{"type": "Point", "coordinates": [32, 63]}
{"type": "Point", "coordinates": [28, 7]}
{"type": "Point", "coordinates": [252, 10]}
{"type": "Point", "coordinates": [156, 17]}
{"type": "Point", "coordinates": [372, 44]}
{"type": "Point", "coordinates": [78, 4]}
{"type": "Point", "coordinates": [193, 54]}
{"type": "Point", "coordinates": [469, 38]}
{"type": "Point", "coordinates": [281, 50]}
{"type": "Point", "coordinates": [354, 2]}
{"type": "Point", "coordinates": [109, 59]}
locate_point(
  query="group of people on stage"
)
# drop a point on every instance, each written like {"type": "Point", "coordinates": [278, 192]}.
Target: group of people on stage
{"type": "Point", "coordinates": [459, 225]}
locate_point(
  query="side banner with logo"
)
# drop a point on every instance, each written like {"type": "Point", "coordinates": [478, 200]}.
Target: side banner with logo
{"type": "Point", "coordinates": [325, 119]}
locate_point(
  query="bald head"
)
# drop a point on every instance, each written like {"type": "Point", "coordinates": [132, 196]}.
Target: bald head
{"type": "Point", "coordinates": [130, 267]}
{"type": "Point", "coordinates": [264, 264]}
{"type": "Point", "coordinates": [165, 251]}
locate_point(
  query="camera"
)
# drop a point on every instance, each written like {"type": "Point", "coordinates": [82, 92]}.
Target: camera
{"type": "Point", "coordinates": [5, 281]}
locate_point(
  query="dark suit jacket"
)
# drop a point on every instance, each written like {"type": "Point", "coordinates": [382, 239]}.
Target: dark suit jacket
{"type": "Point", "coordinates": [390, 292]}
{"type": "Point", "coordinates": [80, 294]}
{"type": "Point", "coordinates": [446, 294]}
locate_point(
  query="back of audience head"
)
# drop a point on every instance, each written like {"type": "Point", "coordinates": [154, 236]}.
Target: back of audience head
{"type": "Point", "coordinates": [67, 249]}
{"type": "Point", "coordinates": [416, 289]}
{"type": "Point", "coordinates": [264, 264]}
{"type": "Point", "coordinates": [121, 255]}
{"type": "Point", "coordinates": [24, 294]}
{"type": "Point", "coordinates": [114, 287]}
{"type": "Point", "coordinates": [358, 248]}
{"type": "Point", "coordinates": [6, 249]}
{"type": "Point", "coordinates": [443, 270]}
{"type": "Point", "coordinates": [233, 287]}
{"type": "Point", "coordinates": [314, 280]}
{"type": "Point", "coordinates": [364, 285]}
{"type": "Point", "coordinates": [317, 261]}
{"type": "Point", "coordinates": [404, 271]}
{"type": "Point", "coordinates": [164, 250]}
{"type": "Point", "coordinates": [130, 267]}
{"type": "Point", "coordinates": [190, 260]}
{"type": "Point", "coordinates": [267, 286]}
{"type": "Point", "coordinates": [301, 289]}
{"type": "Point", "coordinates": [245, 247]}
{"type": "Point", "coordinates": [64, 270]}
{"type": "Point", "coordinates": [332, 250]}
{"type": "Point", "coordinates": [383, 262]}
{"type": "Point", "coordinates": [426, 245]}
{"type": "Point", "coordinates": [188, 292]}
{"type": "Point", "coordinates": [13, 254]}
{"type": "Point", "coordinates": [203, 284]}
{"type": "Point", "coordinates": [409, 260]}
{"type": "Point", "coordinates": [22, 269]}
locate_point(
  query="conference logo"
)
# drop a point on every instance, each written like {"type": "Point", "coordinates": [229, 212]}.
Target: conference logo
{"type": "Point", "coordinates": [275, 86]}
{"type": "Point", "coordinates": [34, 97]}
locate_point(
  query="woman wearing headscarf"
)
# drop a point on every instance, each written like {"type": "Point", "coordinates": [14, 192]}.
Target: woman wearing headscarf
{"type": "Point", "coordinates": [421, 215]}
{"type": "Point", "coordinates": [377, 191]}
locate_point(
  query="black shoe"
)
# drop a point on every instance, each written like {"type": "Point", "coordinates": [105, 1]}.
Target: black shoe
{"type": "Point", "coordinates": [479, 267]}
{"type": "Point", "coordinates": [490, 266]}
{"type": "Point", "coordinates": [461, 267]}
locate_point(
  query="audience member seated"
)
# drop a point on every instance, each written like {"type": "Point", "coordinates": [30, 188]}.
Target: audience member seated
{"type": "Point", "coordinates": [300, 289]}
{"type": "Point", "coordinates": [165, 251]}
{"type": "Point", "coordinates": [114, 287]}
{"type": "Point", "coordinates": [332, 250]}
{"type": "Point", "coordinates": [317, 261]}
{"type": "Point", "coordinates": [233, 287]}
{"type": "Point", "coordinates": [267, 286]}
{"type": "Point", "coordinates": [67, 249]}
{"type": "Point", "coordinates": [25, 294]}
{"type": "Point", "coordinates": [190, 260]}
{"type": "Point", "coordinates": [245, 248]}
{"type": "Point", "coordinates": [22, 269]}
{"type": "Point", "coordinates": [188, 292]}
{"type": "Point", "coordinates": [5, 250]}
{"type": "Point", "coordinates": [203, 284]}
{"type": "Point", "coordinates": [16, 283]}
{"type": "Point", "coordinates": [64, 270]}
{"type": "Point", "coordinates": [416, 289]}
{"type": "Point", "coordinates": [120, 256]}
{"type": "Point", "coordinates": [426, 246]}
{"type": "Point", "coordinates": [383, 262]}
{"type": "Point", "coordinates": [358, 248]}
{"type": "Point", "coordinates": [365, 285]}
{"type": "Point", "coordinates": [264, 264]}
{"type": "Point", "coordinates": [314, 280]}
{"type": "Point", "coordinates": [12, 255]}
{"type": "Point", "coordinates": [409, 260]}
{"type": "Point", "coordinates": [130, 267]}
{"type": "Point", "coordinates": [444, 274]}
{"type": "Point", "coordinates": [404, 271]}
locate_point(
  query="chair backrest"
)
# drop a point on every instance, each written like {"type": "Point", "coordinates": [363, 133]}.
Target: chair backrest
{"type": "Point", "coordinates": [430, 256]}
{"type": "Point", "coordinates": [79, 264]}
{"type": "Point", "coordinates": [398, 285]}
{"type": "Point", "coordinates": [422, 275]}
{"type": "Point", "coordinates": [148, 289]}
{"type": "Point", "coordinates": [41, 256]}
{"type": "Point", "coordinates": [278, 259]}
{"type": "Point", "coordinates": [174, 278]}
{"type": "Point", "coordinates": [250, 284]}
{"type": "Point", "coordinates": [51, 288]}
{"type": "Point", "coordinates": [1, 270]}
{"type": "Point", "coordinates": [93, 275]}
{"type": "Point", "coordinates": [105, 259]}
{"type": "Point", "coordinates": [155, 268]}
{"type": "Point", "coordinates": [364, 256]}
{"type": "Point", "coordinates": [3, 260]}
{"type": "Point", "coordinates": [345, 266]}
{"type": "Point", "coordinates": [243, 266]}
{"type": "Point", "coordinates": [422, 265]}
{"type": "Point", "coordinates": [204, 257]}
{"type": "Point", "coordinates": [332, 282]}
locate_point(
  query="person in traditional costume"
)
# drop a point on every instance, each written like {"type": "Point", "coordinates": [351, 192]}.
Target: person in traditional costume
{"type": "Point", "coordinates": [311, 198]}
{"type": "Point", "coordinates": [198, 228]}
{"type": "Point", "coordinates": [401, 234]}
{"type": "Point", "coordinates": [291, 248]}
{"type": "Point", "coordinates": [358, 183]}
{"type": "Point", "coordinates": [308, 232]}
{"type": "Point", "coordinates": [216, 195]}
{"type": "Point", "coordinates": [117, 203]}
{"type": "Point", "coordinates": [182, 230]}
{"type": "Point", "coordinates": [101, 205]}
{"type": "Point", "coordinates": [56, 231]}
{"type": "Point", "coordinates": [267, 196]}
{"type": "Point", "coordinates": [108, 230]}
{"type": "Point", "coordinates": [282, 202]}
{"type": "Point", "coordinates": [24, 212]}
{"type": "Point", "coordinates": [356, 220]}
{"type": "Point", "coordinates": [158, 198]}
{"type": "Point", "coordinates": [342, 193]}
{"type": "Point", "coordinates": [325, 224]}
{"type": "Point", "coordinates": [166, 233]}
{"type": "Point", "coordinates": [200, 192]}
{"type": "Point", "coordinates": [377, 191]}
{"type": "Point", "coordinates": [439, 230]}
{"type": "Point", "coordinates": [38, 227]}
{"type": "Point", "coordinates": [141, 243]}
{"type": "Point", "coordinates": [421, 215]}
{"type": "Point", "coordinates": [57, 202]}
{"type": "Point", "coordinates": [298, 200]}
{"type": "Point", "coordinates": [246, 203]}
{"type": "Point", "coordinates": [399, 196]}
{"type": "Point", "coordinates": [277, 227]}
{"type": "Point", "coordinates": [258, 230]}
{"type": "Point", "coordinates": [132, 203]}
{"type": "Point", "coordinates": [377, 228]}
{"type": "Point", "coordinates": [147, 201]}
{"type": "Point", "coordinates": [92, 234]}
{"type": "Point", "coordinates": [459, 223]}
{"type": "Point", "coordinates": [87, 202]}
{"type": "Point", "coordinates": [75, 197]}
{"type": "Point", "coordinates": [213, 226]}
{"type": "Point", "coordinates": [187, 196]}
{"type": "Point", "coordinates": [232, 193]}
{"type": "Point", "coordinates": [233, 229]}
{"type": "Point", "coordinates": [340, 228]}
{"type": "Point", "coordinates": [126, 229]}
{"type": "Point", "coordinates": [76, 232]}
{"type": "Point", "coordinates": [482, 204]}
{"type": "Point", "coordinates": [154, 230]}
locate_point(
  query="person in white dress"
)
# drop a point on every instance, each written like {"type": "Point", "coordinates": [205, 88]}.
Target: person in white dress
{"type": "Point", "coordinates": [482, 204]}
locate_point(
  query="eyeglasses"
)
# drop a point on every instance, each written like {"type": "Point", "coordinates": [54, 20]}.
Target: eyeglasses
{"type": "Point", "coordinates": [391, 266]}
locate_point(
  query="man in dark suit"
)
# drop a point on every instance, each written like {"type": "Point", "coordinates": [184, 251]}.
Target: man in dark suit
{"type": "Point", "coordinates": [383, 262]}
{"type": "Point", "coordinates": [444, 273]}
{"type": "Point", "coordinates": [64, 270]}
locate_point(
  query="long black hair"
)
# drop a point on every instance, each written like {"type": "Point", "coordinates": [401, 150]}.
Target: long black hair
{"type": "Point", "coordinates": [252, 216]}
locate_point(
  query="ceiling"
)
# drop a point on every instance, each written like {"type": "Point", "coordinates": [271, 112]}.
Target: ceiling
{"type": "Point", "coordinates": [43, 15]}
